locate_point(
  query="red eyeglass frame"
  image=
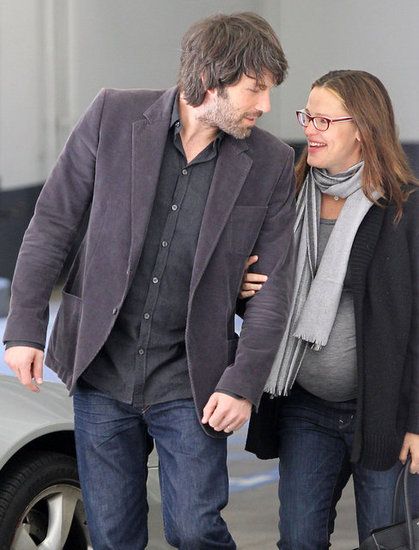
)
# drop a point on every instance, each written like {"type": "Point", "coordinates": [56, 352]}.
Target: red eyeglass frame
{"type": "Point", "coordinates": [312, 119]}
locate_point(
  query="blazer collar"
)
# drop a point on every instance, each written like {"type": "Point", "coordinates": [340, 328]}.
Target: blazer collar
{"type": "Point", "coordinates": [231, 171]}
{"type": "Point", "coordinates": [162, 108]}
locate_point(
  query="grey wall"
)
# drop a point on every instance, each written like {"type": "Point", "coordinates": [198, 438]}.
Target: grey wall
{"type": "Point", "coordinates": [56, 54]}
{"type": "Point", "coordinates": [379, 36]}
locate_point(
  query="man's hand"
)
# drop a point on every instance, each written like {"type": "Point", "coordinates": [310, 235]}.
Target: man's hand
{"type": "Point", "coordinates": [226, 413]}
{"type": "Point", "coordinates": [411, 445]}
{"type": "Point", "coordinates": [27, 363]}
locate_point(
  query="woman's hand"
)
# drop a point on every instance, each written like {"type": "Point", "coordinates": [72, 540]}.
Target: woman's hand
{"type": "Point", "coordinates": [411, 445]}
{"type": "Point", "coordinates": [251, 282]}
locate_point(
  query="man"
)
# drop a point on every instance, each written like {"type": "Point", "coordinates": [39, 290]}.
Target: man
{"type": "Point", "coordinates": [181, 189]}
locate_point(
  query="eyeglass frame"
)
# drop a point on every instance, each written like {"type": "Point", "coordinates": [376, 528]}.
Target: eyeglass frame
{"type": "Point", "coordinates": [312, 119]}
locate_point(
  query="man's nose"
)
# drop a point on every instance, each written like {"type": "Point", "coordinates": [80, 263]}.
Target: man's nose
{"type": "Point", "coordinates": [264, 103]}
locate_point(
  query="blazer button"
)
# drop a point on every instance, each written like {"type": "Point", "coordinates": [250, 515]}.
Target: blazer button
{"type": "Point", "coordinates": [114, 311]}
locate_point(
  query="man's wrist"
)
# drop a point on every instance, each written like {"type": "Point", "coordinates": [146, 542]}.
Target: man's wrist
{"type": "Point", "coordinates": [230, 393]}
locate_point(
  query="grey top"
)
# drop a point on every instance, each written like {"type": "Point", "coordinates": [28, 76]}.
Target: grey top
{"type": "Point", "coordinates": [331, 372]}
{"type": "Point", "coordinates": [143, 361]}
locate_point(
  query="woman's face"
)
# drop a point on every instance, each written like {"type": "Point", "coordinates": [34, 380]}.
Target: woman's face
{"type": "Point", "coordinates": [339, 147]}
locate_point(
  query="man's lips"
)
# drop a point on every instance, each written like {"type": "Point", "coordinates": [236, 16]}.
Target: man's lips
{"type": "Point", "coordinates": [253, 116]}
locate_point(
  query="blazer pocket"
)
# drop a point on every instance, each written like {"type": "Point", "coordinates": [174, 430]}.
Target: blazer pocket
{"type": "Point", "coordinates": [64, 335]}
{"type": "Point", "coordinates": [244, 226]}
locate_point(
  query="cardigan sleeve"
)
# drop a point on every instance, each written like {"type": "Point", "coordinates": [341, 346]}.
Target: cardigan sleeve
{"type": "Point", "coordinates": [412, 211]}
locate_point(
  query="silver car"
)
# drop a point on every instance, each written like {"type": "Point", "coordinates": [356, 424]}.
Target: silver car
{"type": "Point", "coordinates": [41, 505]}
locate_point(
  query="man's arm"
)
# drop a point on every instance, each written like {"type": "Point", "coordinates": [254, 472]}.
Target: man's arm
{"type": "Point", "coordinates": [266, 313]}
{"type": "Point", "coordinates": [59, 212]}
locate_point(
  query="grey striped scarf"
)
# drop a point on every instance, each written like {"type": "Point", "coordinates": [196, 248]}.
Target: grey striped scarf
{"type": "Point", "coordinates": [317, 295]}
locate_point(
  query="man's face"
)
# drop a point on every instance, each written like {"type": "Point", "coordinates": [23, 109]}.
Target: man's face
{"type": "Point", "coordinates": [235, 109]}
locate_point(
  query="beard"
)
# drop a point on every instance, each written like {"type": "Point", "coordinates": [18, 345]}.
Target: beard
{"type": "Point", "coordinates": [223, 115]}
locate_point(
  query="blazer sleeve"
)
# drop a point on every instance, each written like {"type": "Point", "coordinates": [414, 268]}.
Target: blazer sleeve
{"type": "Point", "coordinates": [265, 316]}
{"type": "Point", "coordinates": [58, 214]}
{"type": "Point", "coordinates": [412, 208]}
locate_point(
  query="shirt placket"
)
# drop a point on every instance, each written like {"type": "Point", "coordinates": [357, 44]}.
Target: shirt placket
{"type": "Point", "coordinates": [182, 184]}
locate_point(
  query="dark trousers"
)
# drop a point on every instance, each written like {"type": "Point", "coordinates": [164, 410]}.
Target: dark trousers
{"type": "Point", "coordinates": [315, 445]}
{"type": "Point", "coordinates": [112, 450]}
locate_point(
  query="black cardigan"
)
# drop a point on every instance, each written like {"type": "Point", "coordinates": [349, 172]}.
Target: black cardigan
{"type": "Point", "coordinates": [383, 274]}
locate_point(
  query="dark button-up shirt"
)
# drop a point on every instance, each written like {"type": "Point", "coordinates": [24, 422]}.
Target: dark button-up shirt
{"type": "Point", "coordinates": [144, 362]}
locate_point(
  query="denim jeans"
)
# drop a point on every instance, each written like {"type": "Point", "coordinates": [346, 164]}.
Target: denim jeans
{"type": "Point", "coordinates": [315, 445]}
{"type": "Point", "coordinates": [112, 450]}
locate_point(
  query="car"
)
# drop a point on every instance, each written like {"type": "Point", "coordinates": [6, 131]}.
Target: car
{"type": "Point", "coordinates": [41, 505]}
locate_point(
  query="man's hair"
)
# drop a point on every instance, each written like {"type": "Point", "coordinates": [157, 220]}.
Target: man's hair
{"type": "Point", "coordinates": [219, 50]}
{"type": "Point", "coordinates": [386, 168]}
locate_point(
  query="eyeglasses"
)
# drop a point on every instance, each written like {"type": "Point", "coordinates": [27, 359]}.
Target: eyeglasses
{"type": "Point", "coordinates": [321, 123]}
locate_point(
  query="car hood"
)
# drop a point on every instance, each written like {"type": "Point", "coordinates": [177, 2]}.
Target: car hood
{"type": "Point", "coordinates": [25, 416]}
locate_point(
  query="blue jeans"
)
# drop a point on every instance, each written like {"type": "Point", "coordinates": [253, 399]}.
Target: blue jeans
{"type": "Point", "coordinates": [315, 445]}
{"type": "Point", "coordinates": [112, 450]}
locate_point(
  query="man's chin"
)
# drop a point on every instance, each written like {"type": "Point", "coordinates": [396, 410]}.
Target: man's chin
{"type": "Point", "coordinates": [239, 133]}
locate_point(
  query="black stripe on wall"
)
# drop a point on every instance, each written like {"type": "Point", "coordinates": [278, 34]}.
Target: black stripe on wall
{"type": "Point", "coordinates": [16, 209]}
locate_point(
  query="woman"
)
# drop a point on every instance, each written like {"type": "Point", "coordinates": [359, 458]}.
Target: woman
{"type": "Point", "coordinates": [348, 364]}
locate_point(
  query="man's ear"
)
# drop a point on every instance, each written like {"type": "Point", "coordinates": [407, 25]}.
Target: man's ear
{"type": "Point", "coordinates": [210, 91]}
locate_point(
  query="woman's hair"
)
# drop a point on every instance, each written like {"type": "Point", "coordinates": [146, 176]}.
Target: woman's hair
{"type": "Point", "coordinates": [219, 50]}
{"type": "Point", "coordinates": [386, 168]}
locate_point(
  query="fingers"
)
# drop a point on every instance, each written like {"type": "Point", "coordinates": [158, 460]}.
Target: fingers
{"type": "Point", "coordinates": [27, 364]}
{"type": "Point", "coordinates": [38, 366]}
{"type": "Point", "coordinates": [252, 283]}
{"type": "Point", "coordinates": [403, 454]}
{"type": "Point", "coordinates": [229, 414]}
{"type": "Point", "coordinates": [255, 278]}
{"type": "Point", "coordinates": [411, 446]}
{"type": "Point", "coordinates": [250, 261]}
{"type": "Point", "coordinates": [247, 294]}
{"type": "Point", "coordinates": [209, 408]}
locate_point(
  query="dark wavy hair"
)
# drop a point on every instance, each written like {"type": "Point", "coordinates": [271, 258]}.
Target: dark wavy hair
{"type": "Point", "coordinates": [219, 50]}
{"type": "Point", "coordinates": [386, 168]}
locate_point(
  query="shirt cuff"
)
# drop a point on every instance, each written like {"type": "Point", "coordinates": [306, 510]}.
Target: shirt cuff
{"type": "Point", "coordinates": [14, 343]}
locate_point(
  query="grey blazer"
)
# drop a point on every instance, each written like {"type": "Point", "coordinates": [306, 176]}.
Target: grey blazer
{"type": "Point", "coordinates": [111, 165]}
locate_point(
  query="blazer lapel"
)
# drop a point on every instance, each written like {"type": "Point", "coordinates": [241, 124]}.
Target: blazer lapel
{"type": "Point", "coordinates": [149, 137]}
{"type": "Point", "coordinates": [231, 171]}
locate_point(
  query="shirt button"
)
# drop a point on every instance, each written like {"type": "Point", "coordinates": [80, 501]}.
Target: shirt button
{"type": "Point", "coordinates": [164, 244]}
{"type": "Point", "coordinates": [184, 172]}
{"type": "Point", "coordinates": [155, 280]}
{"type": "Point", "coordinates": [114, 311]}
{"type": "Point", "coordinates": [141, 351]}
{"type": "Point", "coordinates": [174, 207]}
{"type": "Point", "coordinates": [146, 316]}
